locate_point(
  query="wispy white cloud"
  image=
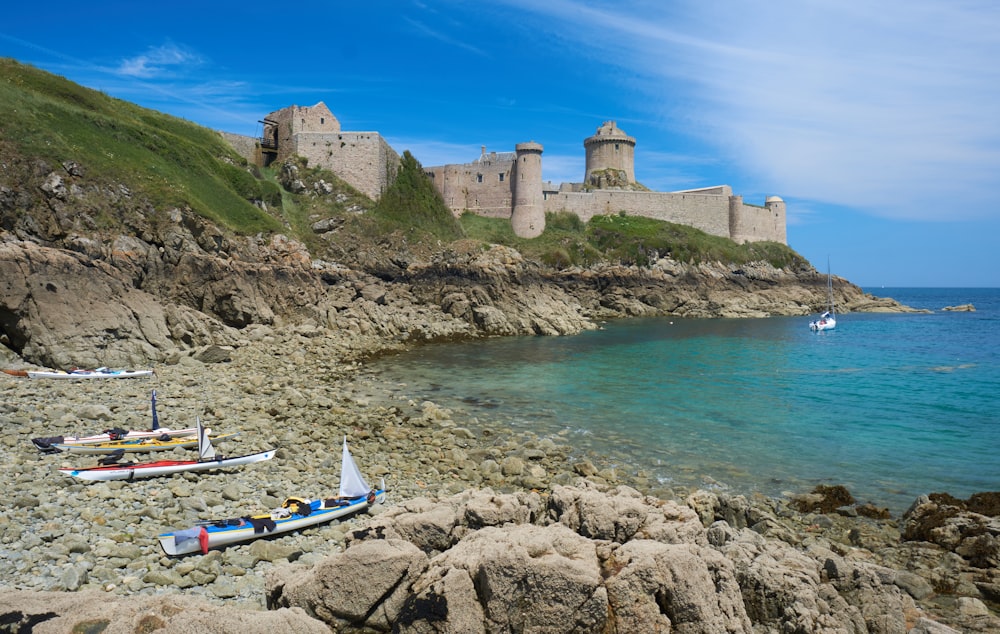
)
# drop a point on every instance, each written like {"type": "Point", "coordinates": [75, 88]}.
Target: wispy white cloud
{"type": "Point", "coordinates": [159, 60]}
{"type": "Point", "coordinates": [441, 36]}
{"type": "Point", "coordinates": [890, 107]}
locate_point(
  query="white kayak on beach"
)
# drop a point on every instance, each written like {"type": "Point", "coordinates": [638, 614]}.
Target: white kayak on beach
{"type": "Point", "coordinates": [110, 468]}
{"type": "Point", "coordinates": [45, 444]}
{"type": "Point", "coordinates": [99, 373]}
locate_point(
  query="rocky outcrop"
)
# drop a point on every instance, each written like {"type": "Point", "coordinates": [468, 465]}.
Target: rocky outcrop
{"type": "Point", "coordinates": [63, 309]}
{"type": "Point", "coordinates": [969, 528]}
{"type": "Point", "coordinates": [583, 560]}
{"type": "Point", "coordinates": [61, 612]}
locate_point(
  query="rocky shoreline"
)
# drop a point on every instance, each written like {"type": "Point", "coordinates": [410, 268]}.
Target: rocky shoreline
{"type": "Point", "coordinates": [58, 534]}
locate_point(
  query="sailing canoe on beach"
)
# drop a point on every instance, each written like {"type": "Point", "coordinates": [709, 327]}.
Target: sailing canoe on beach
{"type": "Point", "coordinates": [295, 513]}
{"type": "Point", "coordinates": [109, 468]}
{"type": "Point", "coordinates": [45, 444]}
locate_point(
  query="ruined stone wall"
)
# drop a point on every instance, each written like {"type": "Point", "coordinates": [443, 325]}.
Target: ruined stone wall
{"type": "Point", "coordinates": [245, 146]}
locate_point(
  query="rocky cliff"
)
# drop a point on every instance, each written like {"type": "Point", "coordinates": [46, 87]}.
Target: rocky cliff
{"type": "Point", "coordinates": [76, 289]}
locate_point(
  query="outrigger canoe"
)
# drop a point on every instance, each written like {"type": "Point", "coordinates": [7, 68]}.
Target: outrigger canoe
{"type": "Point", "coordinates": [109, 468]}
{"type": "Point", "coordinates": [45, 444]}
{"type": "Point", "coordinates": [296, 513]}
{"type": "Point", "coordinates": [99, 373]}
{"type": "Point", "coordinates": [164, 443]}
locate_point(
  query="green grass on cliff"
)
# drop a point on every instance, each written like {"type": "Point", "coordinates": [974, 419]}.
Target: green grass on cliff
{"type": "Point", "coordinates": [169, 161]}
{"type": "Point", "coordinates": [625, 239]}
{"type": "Point", "coordinates": [413, 204]}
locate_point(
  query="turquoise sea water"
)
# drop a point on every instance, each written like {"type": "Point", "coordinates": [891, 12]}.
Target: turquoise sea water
{"type": "Point", "coordinates": [890, 405]}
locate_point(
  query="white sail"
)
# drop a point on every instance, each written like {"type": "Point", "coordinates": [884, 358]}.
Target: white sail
{"type": "Point", "coordinates": [352, 483]}
{"type": "Point", "coordinates": [205, 449]}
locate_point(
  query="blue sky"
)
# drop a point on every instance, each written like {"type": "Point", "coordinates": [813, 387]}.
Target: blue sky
{"type": "Point", "coordinates": [878, 123]}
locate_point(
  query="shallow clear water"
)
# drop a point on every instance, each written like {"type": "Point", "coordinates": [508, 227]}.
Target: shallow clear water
{"type": "Point", "coordinates": [890, 405]}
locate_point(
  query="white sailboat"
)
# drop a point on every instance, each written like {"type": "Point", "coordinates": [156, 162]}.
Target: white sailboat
{"type": "Point", "coordinates": [828, 320]}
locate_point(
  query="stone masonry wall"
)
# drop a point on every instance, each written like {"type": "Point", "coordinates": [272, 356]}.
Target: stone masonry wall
{"type": "Point", "coordinates": [750, 223]}
{"type": "Point", "coordinates": [363, 159]}
{"type": "Point", "coordinates": [482, 186]}
{"type": "Point", "coordinates": [245, 146]}
{"type": "Point", "coordinates": [709, 213]}
{"type": "Point", "coordinates": [485, 186]}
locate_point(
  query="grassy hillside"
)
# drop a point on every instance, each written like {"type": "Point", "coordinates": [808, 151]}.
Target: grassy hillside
{"type": "Point", "coordinates": [174, 163]}
{"type": "Point", "coordinates": [626, 240]}
{"type": "Point", "coordinates": [169, 161]}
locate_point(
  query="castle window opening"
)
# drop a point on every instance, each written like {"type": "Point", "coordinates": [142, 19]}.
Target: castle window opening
{"type": "Point", "coordinates": [501, 177]}
{"type": "Point", "coordinates": [479, 178]}
{"type": "Point", "coordinates": [322, 120]}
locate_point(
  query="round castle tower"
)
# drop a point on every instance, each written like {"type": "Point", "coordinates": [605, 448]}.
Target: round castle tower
{"type": "Point", "coordinates": [610, 157]}
{"type": "Point", "coordinates": [528, 214]}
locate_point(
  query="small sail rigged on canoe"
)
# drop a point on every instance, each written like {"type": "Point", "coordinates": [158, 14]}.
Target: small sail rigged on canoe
{"type": "Point", "coordinates": [205, 449]}
{"type": "Point", "coordinates": [352, 483]}
{"type": "Point", "coordinates": [295, 514]}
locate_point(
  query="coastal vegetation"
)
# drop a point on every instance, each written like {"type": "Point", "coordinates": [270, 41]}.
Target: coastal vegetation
{"type": "Point", "coordinates": [167, 161]}
{"type": "Point", "coordinates": [163, 162]}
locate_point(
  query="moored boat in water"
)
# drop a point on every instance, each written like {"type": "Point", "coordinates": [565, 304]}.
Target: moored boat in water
{"type": "Point", "coordinates": [828, 320]}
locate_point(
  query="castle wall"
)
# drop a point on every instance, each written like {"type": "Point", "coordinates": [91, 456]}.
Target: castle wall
{"type": "Point", "coordinates": [709, 213]}
{"type": "Point", "coordinates": [245, 146]}
{"type": "Point", "coordinates": [363, 159]}
{"type": "Point", "coordinates": [483, 186]}
{"type": "Point", "coordinates": [614, 154]}
{"type": "Point", "coordinates": [283, 126]}
{"type": "Point", "coordinates": [750, 223]}
{"type": "Point", "coordinates": [491, 186]}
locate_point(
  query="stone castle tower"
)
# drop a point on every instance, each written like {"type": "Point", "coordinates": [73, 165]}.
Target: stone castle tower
{"type": "Point", "coordinates": [528, 211]}
{"type": "Point", "coordinates": [610, 158]}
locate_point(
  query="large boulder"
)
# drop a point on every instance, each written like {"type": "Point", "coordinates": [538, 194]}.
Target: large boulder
{"type": "Point", "coordinates": [61, 612]}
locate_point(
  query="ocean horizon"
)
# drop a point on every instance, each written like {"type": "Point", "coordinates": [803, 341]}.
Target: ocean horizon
{"type": "Point", "coordinates": [890, 405]}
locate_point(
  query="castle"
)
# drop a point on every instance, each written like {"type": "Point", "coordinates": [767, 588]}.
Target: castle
{"type": "Point", "coordinates": [509, 184]}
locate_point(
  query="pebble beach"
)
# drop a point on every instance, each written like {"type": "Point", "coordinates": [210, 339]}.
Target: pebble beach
{"type": "Point", "coordinates": [300, 391]}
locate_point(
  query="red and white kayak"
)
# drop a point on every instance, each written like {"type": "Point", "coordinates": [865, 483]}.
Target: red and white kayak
{"type": "Point", "coordinates": [109, 468]}
{"type": "Point", "coordinates": [131, 471]}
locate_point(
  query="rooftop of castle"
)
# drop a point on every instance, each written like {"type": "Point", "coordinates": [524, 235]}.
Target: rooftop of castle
{"type": "Point", "coordinates": [609, 130]}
